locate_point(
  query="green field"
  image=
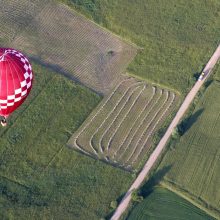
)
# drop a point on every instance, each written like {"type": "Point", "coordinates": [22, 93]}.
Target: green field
{"type": "Point", "coordinates": [177, 37]}
{"type": "Point", "coordinates": [40, 178]}
{"type": "Point", "coordinates": [162, 204]}
{"type": "Point", "coordinates": [195, 157]}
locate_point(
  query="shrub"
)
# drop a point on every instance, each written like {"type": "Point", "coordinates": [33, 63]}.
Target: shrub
{"type": "Point", "coordinates": [136, 197]}
{"type": "Point", "coordinates": [114, 204]}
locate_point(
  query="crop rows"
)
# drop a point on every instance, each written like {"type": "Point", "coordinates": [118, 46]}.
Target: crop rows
{"type": "Point", "coordinates": [121, 129]}
{"type": "Point", "coordinates": [60, 38]}
{"type": "Point", "coordinates": [16, 16]}
{"type": "Point", "coordinates": [164, 204]}
{"type": "Point", "coordinates": [198, 154]}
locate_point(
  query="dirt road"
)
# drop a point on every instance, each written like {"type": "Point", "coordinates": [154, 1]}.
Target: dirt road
{"type": "Point", "coordinates": [151, 161]}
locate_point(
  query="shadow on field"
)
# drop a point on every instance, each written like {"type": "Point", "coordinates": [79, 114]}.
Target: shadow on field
{"type": "Point", "coordinates": [187, 123]}
{"type": "Point", "coordinates": [148, 187]}
{"type": "Point", "coordinates": [196, 75]}
{"type": "Point", "coordinates": [208, 82]}
{"type": "Point", "coordinates": [58, 69]}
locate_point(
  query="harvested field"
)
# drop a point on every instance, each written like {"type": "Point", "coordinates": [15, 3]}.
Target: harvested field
{"type": "Point", "coordinates": [177, 37]}
{"type": "Point", "coordinates": [58, 37]}
{"type": "Point", "coordinates": [15, 16]}
{"type": "Point", "coordinates": [121, 129]}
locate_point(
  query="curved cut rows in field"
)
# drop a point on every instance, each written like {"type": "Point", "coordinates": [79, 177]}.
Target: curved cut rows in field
{"type": "Point", "coordinates": [121, 129]}
{"type": "Point", "coordinates": [60, 38]}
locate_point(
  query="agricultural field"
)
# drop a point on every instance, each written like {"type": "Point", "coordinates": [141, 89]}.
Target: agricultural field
{"type": "Point", "coordinates": [177, 37]}
{"type": "Point", "coordinates": [162, 204]}
{"type": "Point", "coordinates": [40, 178]}
{"type": "Point", "coordinates": [16, 16]}
{"type": "Point", "coordinates": [195, 157]}
{"type": "Point", "coordinates": [58, 37]}
{"type": "Point", "coordinates": [121, 129]}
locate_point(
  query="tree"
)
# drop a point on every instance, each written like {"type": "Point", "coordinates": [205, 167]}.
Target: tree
{"type": "Point", "coordinates": [175, 133]}
{"type": "Point", "coordinates": [136, 197]}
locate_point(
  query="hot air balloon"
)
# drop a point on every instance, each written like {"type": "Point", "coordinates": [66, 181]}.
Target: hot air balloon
{"type": "Point", "coordinates": [16, 79]}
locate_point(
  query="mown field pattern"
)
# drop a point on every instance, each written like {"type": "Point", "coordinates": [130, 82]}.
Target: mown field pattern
{"type": "Point", "coordinates": [162, 204]}
{"type": "Point", "coordinates": [177, 36]}
{"type": "Point", "coordinates": [121, 129]}
{"type": "Point", "coordinates": [16, 16]}
{"type": "Point", "coordinates": [40, 178]}
{"type": "Point", "coordinates": [195, 158]}
{"type": "Point", "coordinates": [58, 37]}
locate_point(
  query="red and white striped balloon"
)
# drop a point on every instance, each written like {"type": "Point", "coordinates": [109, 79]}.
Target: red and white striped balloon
{"type": "Point", "coordinates": [16, 79]}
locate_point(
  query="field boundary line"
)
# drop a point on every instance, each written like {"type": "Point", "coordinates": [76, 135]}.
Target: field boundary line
{"type": "Point", "coordinates": [51, 160]}
{"type": "Point", "coordinates": [125, 40]}
{"type": "Point", "coordinates": [162, 86]}
{"type": "Point", "coordinates": [184, 195]}
{"type": "Point", "coordinates": [14, 181]}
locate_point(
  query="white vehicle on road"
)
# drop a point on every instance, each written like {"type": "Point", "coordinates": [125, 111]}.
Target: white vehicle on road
{"type": "Point", "coordinates": [201, 77]}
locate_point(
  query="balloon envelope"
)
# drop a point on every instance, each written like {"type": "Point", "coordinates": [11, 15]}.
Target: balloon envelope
{"type": "Point", "coordinates": [15, 80]}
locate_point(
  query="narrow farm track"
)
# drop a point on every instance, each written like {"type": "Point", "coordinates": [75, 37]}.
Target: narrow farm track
{"type": "Point", "coordinates": [156, 153]}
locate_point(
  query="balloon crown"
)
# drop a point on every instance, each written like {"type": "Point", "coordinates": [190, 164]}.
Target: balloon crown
{"type": "Point", "coordinates": [3, 56]}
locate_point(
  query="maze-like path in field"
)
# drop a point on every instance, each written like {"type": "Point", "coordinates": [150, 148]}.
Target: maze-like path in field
{"type": "Point", "coordinates": [121, 128]}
